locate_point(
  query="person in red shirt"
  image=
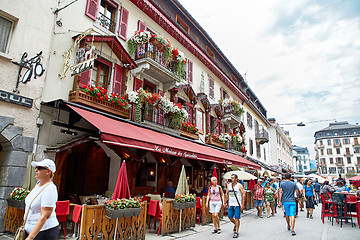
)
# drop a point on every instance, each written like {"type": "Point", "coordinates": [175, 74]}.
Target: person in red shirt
{"type": "Point", "coordinates": [259, 193]}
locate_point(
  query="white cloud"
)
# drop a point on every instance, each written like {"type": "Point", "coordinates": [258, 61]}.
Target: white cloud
{"type": "Point", "coordinates": [301, 57]}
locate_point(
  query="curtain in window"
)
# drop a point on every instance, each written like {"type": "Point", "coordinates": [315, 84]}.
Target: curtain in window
{"type": "Point", "coordinates": [5, 29]}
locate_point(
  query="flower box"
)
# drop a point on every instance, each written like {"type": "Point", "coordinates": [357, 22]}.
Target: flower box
{"type": "Point", "coordinates": [122, 213]}
{"type": "Point", "coordinates": [16, 203]}
{"type": "Point", "coordinates": [184, 205]}
{"type": "Point", "coordinates": [189, 134]}
{"type": "Point", "coordinates": [85, 99]}
{"type": "Point", "coordinates": [210, 141]}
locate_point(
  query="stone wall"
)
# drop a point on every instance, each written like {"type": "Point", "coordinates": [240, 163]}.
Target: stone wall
{"type": "Point", "coordinates": [15, 152]}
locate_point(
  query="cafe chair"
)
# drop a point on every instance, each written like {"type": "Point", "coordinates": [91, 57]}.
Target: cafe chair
{"type": "Point", "coordinates": [166, 194]}
{"type": "Point", "coordinates": [339, 212]}
{"type": "Point", "coordinates": [76, 219]}
{"type": "Point", "coordinates": [62, 211]}
{"type": "Point", "coordinates": [327, 209]}
{"type": "Point", "coordinates": [198, 208]}
{"type": "Point", "coordinates": [145, 199]}
{"type": "Point", "coordinates": [353, 207]}
{"type": "Point", "coordinates": [155, 212]}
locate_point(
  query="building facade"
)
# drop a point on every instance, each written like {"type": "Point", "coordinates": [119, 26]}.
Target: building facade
{"type": "Point", "coordinates": [338, 149]}
{"type": "Point", "coordinates": [301, 156]}
{"type": "Point", "coordinates": [280, 148]}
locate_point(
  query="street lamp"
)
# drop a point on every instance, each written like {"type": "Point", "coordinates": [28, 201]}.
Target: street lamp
{"type": "Point", "coordinates": [301, 124]}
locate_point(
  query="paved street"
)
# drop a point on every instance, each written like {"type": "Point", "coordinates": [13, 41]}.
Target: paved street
{"type": "Point", "coordinates": [255, 228]}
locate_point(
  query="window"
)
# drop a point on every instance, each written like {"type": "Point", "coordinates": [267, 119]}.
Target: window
{"type": "Point", "coordinates": [202, 83]}
{"type": "Point", "coordinates": [182, 23]}
{"type": "Point", "coordinates": [339, 160]}
{"type": "Point", "coordinates": [264, 154]}
{"type": "Point", "coordinates": [350, 169]}
{"type": "Point", "coordinates": [305, 167]}
{"type": "Point", "coordinates": [331, 160]}
{"type": "Point", "coordinates": [258, 151]}
{"type": "Point", "coordinates": [321, 142]}
{"type": "Point", "coordinates": [347, 150]}
{"type": "Point", "coordinates": [338, 151]}
{"type": "Point", "coordinates": [341, 170]}
{"type": "Point", "coordinates": [356, 149]}
{"type": "Point", "coordinates": [249, 120]}
{"type": "Point", "coordinates": [348, 160]}
{"type": "Point", "coordinates": [251, 146]}
{"type": "Point", "coordinates": [329, 151]}
{"type": "Point", "coordinates": [200, 120]}
{"type": "Point", "coordinates": [106, 15]}
{"type": "Point", "coordinates": [336, 142]}
{"type": "Point", "coordinates": [99, 75]}
{"type": "Point", "coordinates": [5, 31]}
{"type": "Point", "coordinates": [346, 141]}
{"type": "Point", "coordinates": [332, 170]}
{"type": "Point", "coordinates": [210, 52]}
{"type": "Point", "coordinates": [324, 170]}
{"type": "Point", "coordinates": [322, 151]}
{"type": "Point", "coordinates": [356, 142]}
{"type": "Point", "coordinates": [329, 142]}
{"type": "Point", "coordinates": [190, 71]}
{"type": "Point", "coordinates": [211, 87]}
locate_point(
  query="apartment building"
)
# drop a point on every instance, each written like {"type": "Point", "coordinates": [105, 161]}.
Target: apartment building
{"type": "Point", "coordinates": [302, 157]}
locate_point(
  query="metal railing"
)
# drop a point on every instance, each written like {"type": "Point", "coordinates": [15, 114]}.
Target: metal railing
{"type": "Point", "coordinates": [261, 133]}
{"type": "Point", "coordinates": [106, 22]}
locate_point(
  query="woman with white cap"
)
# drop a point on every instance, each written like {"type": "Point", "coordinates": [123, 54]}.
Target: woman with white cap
{"type": "Point", "coordinates": [41, 222]}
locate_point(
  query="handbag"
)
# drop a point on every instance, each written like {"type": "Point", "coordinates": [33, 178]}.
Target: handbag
{"type": "Point", "coordinates": [20, 233]}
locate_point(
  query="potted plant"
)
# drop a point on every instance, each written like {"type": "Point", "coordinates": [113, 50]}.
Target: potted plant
{"type": "Point", "coordinates": [17, 198]}
{"type": "Point", "coordinates": [140, 37]}
{"type": "Point", "coordinates": [179, 60]}
{"type": "Point", "coordinates": [183, 201]}
{"type": "Point", "coordinates": [121, 208]}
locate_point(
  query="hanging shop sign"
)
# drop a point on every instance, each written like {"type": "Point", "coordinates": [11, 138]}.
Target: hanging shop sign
{"type": "Point", "coordinates": [33, 66]}
{"type": "Point", "coordinates": [17, 99]}
{"type": "Point", "coordinates": [85, 56]}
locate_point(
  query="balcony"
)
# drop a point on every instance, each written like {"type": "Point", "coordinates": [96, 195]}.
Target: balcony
{"type": "Point", "coordinates": [237, 149]}
{"type": "Point", "coordinates": [322, 164]}
{"type": "Point", "coordinates": [261, 135]}
{"type": "Point", "coordinates": [93, 102]}
{"type": "Point", "coordinates": [209, 140]}
{"type": "Point", "coordinates": [106, 22]}
{"type": "Point", "coordinates": [339, 163]}
{"type": "Point", "coordinates": [151, 61]}
{"type": "Point", "coordinates": [230, 118]}
{"type": "Point", "coordinates": [337, 145]}
{"type": "Point", "coordinates": [347, 154]}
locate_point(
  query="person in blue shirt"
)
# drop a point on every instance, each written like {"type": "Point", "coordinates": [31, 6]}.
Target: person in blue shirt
{"type": "Point", "coordinates": [169, 188]}
{"type": "Point", "coordinates": [317, 189]}
{"type": "Point", "coordinates": [309, 197]}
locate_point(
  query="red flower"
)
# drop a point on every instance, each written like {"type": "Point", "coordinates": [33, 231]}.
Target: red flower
{"type": "Point", "coordinates": [84, 87]}
{"type": "Point", "coordinates": [101, 98]}
{"type": "Point", "coordinates": [91, 89]}
{"type": "Point", "coordinates": [99, 94]}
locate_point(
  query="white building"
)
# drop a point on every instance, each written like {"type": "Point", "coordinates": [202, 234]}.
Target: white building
{"type": "Point", "coordinates": [302, 158]}
{"type": "Point", "coordinates": [338, 149]}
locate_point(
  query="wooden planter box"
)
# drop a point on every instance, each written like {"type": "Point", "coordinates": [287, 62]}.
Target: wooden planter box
{"type": "Point", "coordinates": [122, 213]}
{"type": "Point", "coordinates": [90, 101]}
{"type": "Point", "coordinates": [185, 205]}
{"type": "Point", "coordinates": [194, 136]}
{"type": "Point", "coordinates": [214, 143]}
{"type": "Point", "coordinates": [16, 203]}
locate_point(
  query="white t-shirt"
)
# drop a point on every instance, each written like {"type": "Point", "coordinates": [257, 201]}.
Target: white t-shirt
{"type": "Point", "coordinates": [46, 198]}
{"type": "Point", "coordinates": [232, 199]}
{"type": "Point", "coordinates": [300, 187]}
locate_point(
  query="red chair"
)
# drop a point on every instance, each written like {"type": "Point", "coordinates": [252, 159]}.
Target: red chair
{"type": "Point", "coordinates": [76, 218]}
{"type": "Point", "coordinates": [62, 211]}
{"type": "Point", "coordinates": [166, 194]}
{"type": "Point", "coordinates": [198, 208]}
{"type": "Point", "coordinates": [352, 200]}
{"type": "Point", "coordinates": [145, 199]}
{"type": "Point", "coordinates": [154, 210]}
{"type": "Point", "coordinates": [326, 201]}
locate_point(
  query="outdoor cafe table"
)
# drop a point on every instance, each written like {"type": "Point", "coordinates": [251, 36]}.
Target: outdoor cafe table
{"type": "Point", "coordinates": [346, 204]}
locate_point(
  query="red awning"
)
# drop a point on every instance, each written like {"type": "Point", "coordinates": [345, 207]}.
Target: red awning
{"type": "Point", "coordinates": [129, 135]}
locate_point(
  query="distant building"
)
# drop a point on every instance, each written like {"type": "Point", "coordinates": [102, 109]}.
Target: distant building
{"type": "Point", "coordinates": [338, 149]}
{"type": "Point", "coordinates": [302, 158]}
{"type": "Point", "coordinates": [280, 148]}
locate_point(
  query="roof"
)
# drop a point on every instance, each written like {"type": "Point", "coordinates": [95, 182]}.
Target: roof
{"type": "Point", "coordinates": [339, 126]}
{"type": "Point", "coordinates": [337, 129]}
{"type": "Point", "coordinates": [300, 150]}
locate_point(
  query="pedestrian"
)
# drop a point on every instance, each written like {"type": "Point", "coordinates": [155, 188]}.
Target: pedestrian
{"type": "Point", "coordinates": [317, 186]}
{"type": "Point", "coordinates": [259, 192]}
{"type": "Point", "coordinates": [276, 194]}
{"type": "Point", "coordinates": [169, 188]}
{"type": "Point", "coordinates": [287, 199]}
{"type": "Point", "coordinates": [269, 199]}
{"type": "Point", "coordinates": [300, 197]}
{"type": "Point", "coordinates": [235, 199]}
{"type": "Point", "coordinates": [216, 198]}
{"type": "Point", "coordinates": [40, 204]}
{"type": "Point", "coordinates": [309, 197]}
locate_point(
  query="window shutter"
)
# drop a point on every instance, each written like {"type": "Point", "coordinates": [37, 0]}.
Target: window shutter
{"type": "Point", "coordinates": [189, 108]}
{"type": "Point", "coordinates": [141, 26]}
{"type": "Point", "coordinates": [124, 17]}
{"type": "Point", "coordinates": [92, 9]}
{"type": "Point", "coordinates": [84, 78]}
{"type": "Point", "coordinates": [137, 84]}
{"type": "Point", "coordinates": [221, 93]}
{"type": "Point", "coordinates": [211, 87]}
{"type": "Point", "coordinates": [118, 74]}
{"type": "Point", "coordinates": [161, 113]}
{"type": "Point", "coordinates": [208, 123]}
{"type": "Point", "coordinates": [190, 71]}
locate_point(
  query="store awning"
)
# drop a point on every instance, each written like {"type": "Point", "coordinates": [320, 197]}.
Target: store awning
{"type": "Point", "coordinates": [125, 134]}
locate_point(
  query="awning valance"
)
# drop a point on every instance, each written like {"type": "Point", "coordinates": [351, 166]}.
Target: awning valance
{"type": "Point", "coordinates": [125, 134]}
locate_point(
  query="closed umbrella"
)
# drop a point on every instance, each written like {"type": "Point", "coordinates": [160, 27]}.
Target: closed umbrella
{"type": "Point", "coordinates": [242, 175]}
{"type": "Point", "coordinates": [214, 174]}
{"type": "Point", "coordinates": [122, 189]}
{"type": "Point", "coordinates": [182, 187]}
{"type": "Point", "coordinates": [251, 184]}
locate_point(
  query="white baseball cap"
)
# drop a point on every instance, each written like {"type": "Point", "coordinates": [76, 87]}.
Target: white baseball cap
{"type": "Point", "coordinates": [48, 163]}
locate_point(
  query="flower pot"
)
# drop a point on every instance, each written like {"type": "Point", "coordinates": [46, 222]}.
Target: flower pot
{"type": "Point", "coordinates": [189, 134]}
{"type": "Point", "coordinates": [210, 141]}
{"type": "Point", "coordinates": [16, 203]}
{"type": "Point", "coordinates": [184, 205]}
{"type": "Point", "coordinates": [123, 213]}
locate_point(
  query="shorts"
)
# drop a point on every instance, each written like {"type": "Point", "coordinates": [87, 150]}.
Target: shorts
{"type": "Point", "coordinates": [49, 234]}
{"type": "Point", "coordinates": [310, 202]}
{"type": "Point", "coordinates": [258, 203]}
{"type": "Point", "coordinates": [215, 206]}
{"type": "Point", "coordinates": [290, 208]}
{"type": "Point", "coordinates": [232, 210]}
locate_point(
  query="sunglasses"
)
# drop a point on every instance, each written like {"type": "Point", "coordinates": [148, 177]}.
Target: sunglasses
{"type": "Point", "coordinates": [40, 168]}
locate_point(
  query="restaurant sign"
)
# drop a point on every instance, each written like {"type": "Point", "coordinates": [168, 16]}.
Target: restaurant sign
{"type": "Point", "coordinates": [15, 98]}
{"type": "Point", "coordinates": [171, 151]}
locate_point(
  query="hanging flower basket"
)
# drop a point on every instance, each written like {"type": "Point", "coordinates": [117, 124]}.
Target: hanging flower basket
{"type": "Point", "coordinates": [16, 203]}
{"type": "Point", "coordinates": [184, 205]}
{"type": "Point", "coordinates": [122, 213]}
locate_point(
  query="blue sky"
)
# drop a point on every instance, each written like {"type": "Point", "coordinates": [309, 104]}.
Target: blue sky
{"type": "Point", "coordinates": [301, 57]}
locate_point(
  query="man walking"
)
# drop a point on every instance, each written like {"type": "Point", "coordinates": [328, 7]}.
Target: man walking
{"type": "Point", "coordinates": [317, 190]}
{"type": "Point", "coordinates": [287, 199]}
{"type": "Point", "coordinates": [235, 194]}
{"type": "Point", "coordinates": [259, 193]}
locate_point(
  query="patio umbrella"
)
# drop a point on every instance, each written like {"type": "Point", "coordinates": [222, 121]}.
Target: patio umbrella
{"type": "Point", "coordinates": [30, 180]}
{"type": "Point", "coordinates": [319, 178]}
{"type": "Point", "coordinates": [242, 175]}
{"type": "Point", "coordinates": [182, 187]}
{"type": "Point", "coordinates": [214, 174]}
{"type": "Point", "coordinates": [122, 189]}
{"type": "Point", "coordinates": [356, 178]}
